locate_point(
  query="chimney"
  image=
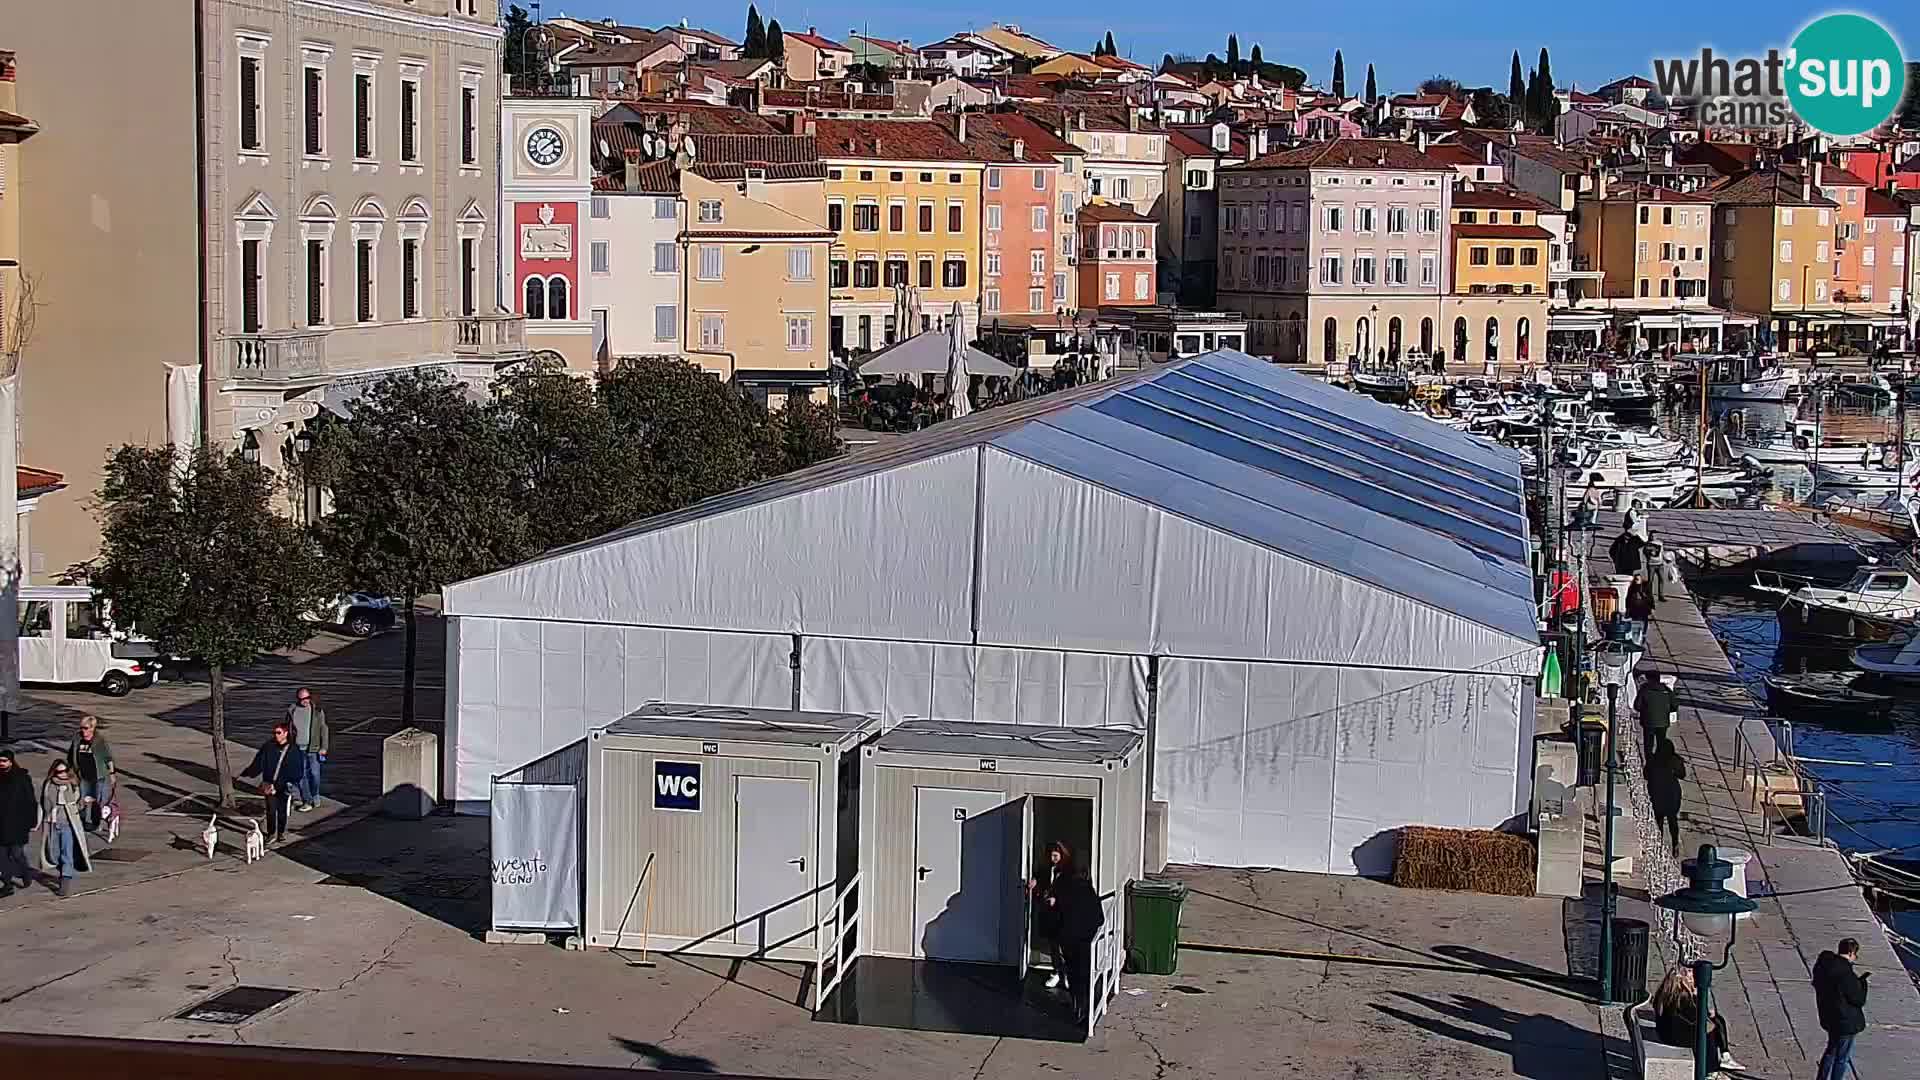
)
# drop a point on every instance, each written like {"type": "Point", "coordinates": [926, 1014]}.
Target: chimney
{"type": "Point", "coordinates": [1489, 151]}
{"type": "Point", "coordinates": [876, 146]}
{"type": "Point", "coordinates": [1806, 185]}
{"type": "Point", "coordinates": [811, 32]}
{"type": "Point", "coordinates": [1819, 172]}
{"type": "Point", "coordinates": [963, 125]}
{"type": "Point", "coordinates": [1420, 140]}
{"type": "Point", "coordinates": [632, 181]}
{"type": "Point", "coordinates": [1259, 141]}
{"type": "Point", "coordinates": [1019, 149]}
{"type": "Point", "coordinates": [797, 122]}
{"type": "Point", "coordinates": [1080, 119]}
{"type": "Point", "coordinates": [1133, 119]}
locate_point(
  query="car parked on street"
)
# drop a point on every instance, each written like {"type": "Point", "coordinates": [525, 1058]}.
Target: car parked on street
{"type": "Point", "coordinates": [360, 614]}
{"type": "Point", "coordinates": [66, 637]}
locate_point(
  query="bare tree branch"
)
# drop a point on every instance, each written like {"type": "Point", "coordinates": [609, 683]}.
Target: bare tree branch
{"type": "Point", "coordinates": [17, 323]}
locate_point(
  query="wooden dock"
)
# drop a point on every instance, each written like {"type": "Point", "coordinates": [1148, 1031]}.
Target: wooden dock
{"type": "Point", "coordinates": [1807, 906]}
{"type": "Point", "coordinates": [1719, 541]}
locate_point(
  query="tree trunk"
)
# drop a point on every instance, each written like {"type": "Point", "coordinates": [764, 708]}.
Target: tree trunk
{"type": "Point", "coordinates": [413, 641]}
{"type": "Point", "coordinates": [217, 706]}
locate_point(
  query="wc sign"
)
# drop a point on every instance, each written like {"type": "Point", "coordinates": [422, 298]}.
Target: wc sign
{"type": "Point", "coordinates": [676, 786]}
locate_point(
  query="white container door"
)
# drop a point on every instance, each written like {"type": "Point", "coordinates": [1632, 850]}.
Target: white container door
{"type": "Point", "coordinates": [773, 862]}
{"type": "Point", "coordinates": [962, 861]}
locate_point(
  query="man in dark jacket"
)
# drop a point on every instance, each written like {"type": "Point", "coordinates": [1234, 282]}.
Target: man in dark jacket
{"type": "Point", "coordinates": [1625, 552]}
{"type": "Point", "coordinates": [1842, 995]}
{"type": "Point", "coordinates": [19, 814]}
{"type": "Point", "coordinates": [279, 764]}
{"type": "Point", "coordinates": [1081, 918]}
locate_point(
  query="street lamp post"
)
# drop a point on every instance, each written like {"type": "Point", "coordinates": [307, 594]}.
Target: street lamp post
{"type": "Point", "coordinates": [1707, 904]}
{"type": "Point", "coordinates": [1614, 659]}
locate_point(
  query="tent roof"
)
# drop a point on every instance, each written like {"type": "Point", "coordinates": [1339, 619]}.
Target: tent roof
{"type": "Point", "coordinates": [1243, 447]}
{"type": "Point", "coordinates": [925, 353]}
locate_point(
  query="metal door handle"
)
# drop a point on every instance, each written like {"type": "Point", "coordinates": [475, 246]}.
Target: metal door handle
{"type": "Point", "coordinates": [800, 862]}
{"type": "Point", "coordinates": [921, 872]}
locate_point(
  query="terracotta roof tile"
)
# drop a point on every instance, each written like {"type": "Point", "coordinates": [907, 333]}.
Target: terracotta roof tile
{"type": "Point", "coordinates": [818, 42]}
{"type": "Point", "coordinates": [1879, 204]}
{"type": "Point", "coordinates": [789, 98]}
{"type": "Point", "coordinates": [1105, 211]}
{"type": "Point", "coordinates": [30, 482]}
{"type": "Point", "coordinates": [1639, 193]}
{"type": "Point", "coordinates": [888, 140]}
{"type": "Point", "coordinates": [1500, 197]}
{"type": "Point", "coordinates": [1349, 154]}
{"type": "Point", "coordinates": [990, 138]}
{"type": "Point", "coordinates": [1762, 187]}
{"type": "Point", "coordinates": [1501, 232]}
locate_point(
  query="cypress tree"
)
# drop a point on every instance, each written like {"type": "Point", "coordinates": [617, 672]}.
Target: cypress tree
{"type": "Point", "coordinates": [1373, 91]}
{"type": "Point", "coordinates": [1111, 51]}
{"type": "Point", "coordinates": [1233, 52]}
{"type": "Point", "coordinates": [1339, 75]}
{"type": "Point", "coordinates": [1517, 89]}
{"type": "Point", "coordinates": [776, 43]}
{"type": "Point", "coordinates": [756, 44]}
{"type": "Point", "coordinates": [1549, 106]}
{"type": "Point", "coordinates": [1256, 56]}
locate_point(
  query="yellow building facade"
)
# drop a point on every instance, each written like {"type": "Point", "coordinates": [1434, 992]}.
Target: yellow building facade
{"type": "Point", "coordinates": [1495, 314]}
{"type": "Point", "coordinates": [1771, 253]}
{"type": "Point", "coordinates": [903, 205]}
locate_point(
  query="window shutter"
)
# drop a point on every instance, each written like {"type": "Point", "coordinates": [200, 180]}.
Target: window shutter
{"type": "Point", "coordinates": [466, 276]}
{"type": "Point", "coordinates": [408, 107]}
{"type": "Point", "coordinates": [249, 103]}
{"type": "Point", "coordinates": [466, 125]}
{"type": "Point", "coordinates": [409, 268]}
{"type": "Point", "coordinates": [313, 110]}
{"type": "Point", "coordinates": [316, 304]}
{"type": "Point", "coordinates": [363, 279]}
{"type": "Point", "coordinates": [362, 122]}
{"type": "Point", "coordinates": [250, 286]}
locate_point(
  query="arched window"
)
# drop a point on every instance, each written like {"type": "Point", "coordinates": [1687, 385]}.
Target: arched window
{"type": "Point", "coordinates": [1460, 340]}
{"type": "Point", "coordinates": [1330, 345]}
{"type": "Point", "coordinates": [1363, 339]}
{"type": "Point", "coordinates": [536, 297]}
{"type": "Point", "coordinates": [557, 297]}
{"type": "Point", "coordinates": [1393, 338]}
{"type": "Point", "coordinates": [1493, 340]}
{"type": "Point", "coordinates": [1426, 336]}
{"type": "Point", "coordinates": [1523, 340]}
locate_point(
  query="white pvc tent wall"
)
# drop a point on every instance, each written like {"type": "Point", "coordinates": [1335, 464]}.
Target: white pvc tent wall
{"type": "Point", "coordinates": [1337, 592]}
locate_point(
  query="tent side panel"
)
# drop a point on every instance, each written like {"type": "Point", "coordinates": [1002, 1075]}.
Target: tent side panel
{"type": "Point", "coordinates": [1011, 686]}
{"type": "Point", "coordinates": [527, 688]}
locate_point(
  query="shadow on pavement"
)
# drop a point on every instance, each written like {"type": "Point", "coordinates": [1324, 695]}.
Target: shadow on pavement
{"type": "Point", "coordinates": [659, 1057]}
{"type": "Point", "coordinates": [1542, 1047]}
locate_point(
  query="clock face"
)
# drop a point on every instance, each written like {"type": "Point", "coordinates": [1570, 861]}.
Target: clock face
{"type": "Point", "coordinates": [544, 146]}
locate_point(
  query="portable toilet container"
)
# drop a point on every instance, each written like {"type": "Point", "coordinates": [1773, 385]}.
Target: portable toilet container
{"type": "Point", "coordinates": [955, 817]}
{"type": "Point", "coordinates": [722, 831]}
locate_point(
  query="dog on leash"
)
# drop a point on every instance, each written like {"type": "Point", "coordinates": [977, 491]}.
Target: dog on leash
{"type": "Point", "coordinates": [211, 836]}
{"type": "Point", "coordinates": [256, 842]}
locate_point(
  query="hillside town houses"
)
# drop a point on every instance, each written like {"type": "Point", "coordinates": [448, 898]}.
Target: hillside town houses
{"type": "Point", "coordinates": [383, 184]}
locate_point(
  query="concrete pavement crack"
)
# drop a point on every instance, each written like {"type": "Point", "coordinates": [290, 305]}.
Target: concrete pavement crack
{"type": "Point", "coordinates": [233, 969]}
{"type": "Point", "coordinates": [674, 1031]}
{"type": "Point", "coordinates": [1160, 1062]}
{"type": "Point", "coordinates": [982, 1070]}
{"type": "Point", "coordinates": [18, 994]}
{"type": "Point", "coordinates": [385, 956]}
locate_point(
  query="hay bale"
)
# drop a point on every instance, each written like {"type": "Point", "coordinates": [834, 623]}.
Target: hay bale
{"type": "Point", "coordinates": [1464, 860]}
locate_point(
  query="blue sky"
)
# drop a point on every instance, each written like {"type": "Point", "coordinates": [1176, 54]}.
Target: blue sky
{"type": "Point", "coordinates": [1406, 40]}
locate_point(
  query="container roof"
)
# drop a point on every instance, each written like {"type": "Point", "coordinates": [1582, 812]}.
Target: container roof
{"type": "Point", "coordinates": [1026, 742]}
{"type": "Point", "coordinates": [794, 727]}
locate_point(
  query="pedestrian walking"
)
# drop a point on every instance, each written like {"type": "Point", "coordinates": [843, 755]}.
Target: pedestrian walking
{"type": "Point", "coordinates": [1639, 603]}
{"type": "Point", "coordinates": [1626, 553]}
{"type": "Point", "coordinates": [19, 816]}
{"type": "Point", "coordinates": [91, 760]}
{"type": "Point", "coordinates": [1047, 891]}
{"type": "Point", "coordinates": [1665, 769]}
{"type": "Point", "coordinates": [64, 851]}
{"type": "Point", "coordinates": [311, 733]}
{"type": "Point", "coordinates": [1080, 922]}
{"type": "Point", "coordinates": [1653, 553]}
{"type": "Point", "coordinates": [1841, 993]}
{"type": "Point", "coordinates": [1655, 706]}
{"type": "Point", "coordinates": [278, 763]}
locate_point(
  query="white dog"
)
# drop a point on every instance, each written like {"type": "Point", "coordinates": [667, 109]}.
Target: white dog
{"type": "Point", "coordinates": [256, 843]}
{"type": "Point", "coordinates": [211, 836]}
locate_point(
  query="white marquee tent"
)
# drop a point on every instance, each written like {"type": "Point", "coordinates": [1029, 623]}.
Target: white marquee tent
{"type": "Point", "coordinates": [1319, 605]}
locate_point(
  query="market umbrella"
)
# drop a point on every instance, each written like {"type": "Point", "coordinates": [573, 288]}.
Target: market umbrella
{"type": "Point", "coordinates": [958, 404]}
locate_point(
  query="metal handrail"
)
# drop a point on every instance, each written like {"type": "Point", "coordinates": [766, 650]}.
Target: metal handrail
{"type": "Point", "coordinates": [831, 944]}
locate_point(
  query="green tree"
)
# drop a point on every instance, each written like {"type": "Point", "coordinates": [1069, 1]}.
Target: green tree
{"type": "Point", "coordinates": [1532, 101]}
{"type": "Point", "coordinates": [1516, 89]}
{"type": "Point", "coordinates": [572, 480]}
{"type": "Point", "coordinates": [192, 554]}
{"type": "Point", "coordinates": [1233, 52]}
{"type": "Point", "coordinates": [755, 46]}
{"type": "Point", "coordinates": [1440, 84]}
{"type": "Point", "coordinates": [1255, 58]}
{"type": "Point", "coordinates": [799, 434]}
{"type": "Point", "coordinates": [685, 434]}
{"type": "Point", "coordinates": [1339, 75]}
{"type": "Point", "coordinates": [1108, 44]}
{"type": "Point", "coordinates": [776, 43]}
{"type": "Point", "coordinates": [1166, 63]}
{"type": "Point", "coordinates": [1548, 106]}
{"type": "Point", "coordinates": [514, 26]}
{"type": "Point", "coordinates": [423, 486]}
{"type": "Point", "coordinates": [1373, 88]}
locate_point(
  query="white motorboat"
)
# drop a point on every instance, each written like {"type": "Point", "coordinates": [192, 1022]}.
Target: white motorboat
{"type": "Point", "coordinates": [1898, 660]}
{"type": "Point", "coordinates": [1608, 471]}
{"type": "Point", "coordinates": [1800, 446]}
{"type": "Point", "coordinates": [1384, 385]}
{"type": "Point", "coordinates": [1748, 378]}
{"type": "Point", "coordinates": [1873, 605]}
{"type": "Point", "coordinates": [1871, 475]}
{"type": "Point", "coordinates": [1626, 394]}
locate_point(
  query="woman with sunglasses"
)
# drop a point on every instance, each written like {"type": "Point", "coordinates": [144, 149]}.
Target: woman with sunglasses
{"type": "Point", "coordinates": [65, 852]}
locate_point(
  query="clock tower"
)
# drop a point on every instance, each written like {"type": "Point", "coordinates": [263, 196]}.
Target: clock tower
{"type": "Point", "coordinates": [546, 183]}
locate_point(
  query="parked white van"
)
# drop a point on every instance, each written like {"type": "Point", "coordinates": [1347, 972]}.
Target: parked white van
{"type": "Point", "coordinates": [65, 637]}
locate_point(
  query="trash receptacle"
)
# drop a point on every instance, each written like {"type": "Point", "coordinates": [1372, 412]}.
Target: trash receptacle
{"type": "Point", "coordinates": [1592, 741]}
{"type": "Point", "coordinates": [1153, 919]}
{"type": "Point", "coordinates": [1630, 938]}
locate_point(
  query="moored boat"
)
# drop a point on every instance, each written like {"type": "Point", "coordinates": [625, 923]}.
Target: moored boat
{"type": "Point", "coordinates": [1830, 695]}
